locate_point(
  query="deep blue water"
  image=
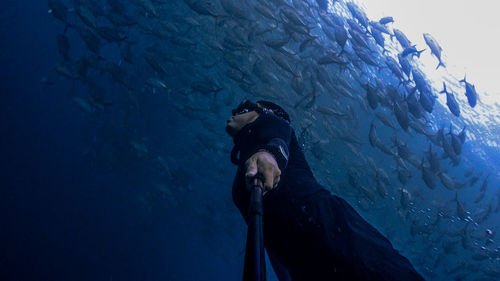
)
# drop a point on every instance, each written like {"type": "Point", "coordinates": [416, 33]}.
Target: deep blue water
{"type": "Point", "coordinates": [64, 216]}
{"type": "Point", "coordinates": [140, 189]}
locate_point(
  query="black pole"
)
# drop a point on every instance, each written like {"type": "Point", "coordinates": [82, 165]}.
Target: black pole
{"type": "Point", "coordinates": [255, 261]}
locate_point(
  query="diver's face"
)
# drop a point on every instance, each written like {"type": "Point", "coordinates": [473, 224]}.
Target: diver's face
{"type": "Point", "coordinates": [236, 122]}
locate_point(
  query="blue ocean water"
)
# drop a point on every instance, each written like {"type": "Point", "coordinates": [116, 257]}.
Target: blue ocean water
{"type": "Point", "coordinates": [115, 166]}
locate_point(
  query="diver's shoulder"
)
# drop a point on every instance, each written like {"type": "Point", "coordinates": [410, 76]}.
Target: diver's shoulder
{"type": "Point", "coordinates": [266, 117]}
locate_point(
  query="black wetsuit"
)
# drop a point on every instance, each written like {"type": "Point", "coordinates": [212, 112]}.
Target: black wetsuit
{"type": "Point", "coordinates": [310, 234]}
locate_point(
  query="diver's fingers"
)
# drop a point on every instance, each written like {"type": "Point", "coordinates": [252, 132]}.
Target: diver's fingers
{"type": "Point", "coordinates": [276, 181]}
{"type": "Point", "coordinates": [257, 181]}
{"type": "Point", "coordinates": [251, 166]}
{"type": "Point", "coordinates": [268, 178]}
{"type": "Point", "coordinates": [251, 172]}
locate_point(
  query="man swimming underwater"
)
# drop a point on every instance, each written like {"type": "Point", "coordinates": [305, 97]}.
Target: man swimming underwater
{"type": "Point", "coordinates": [309, 233]}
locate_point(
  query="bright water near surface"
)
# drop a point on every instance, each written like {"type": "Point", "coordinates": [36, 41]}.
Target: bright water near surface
{"type": "Point", "coordinates": [115, 164]}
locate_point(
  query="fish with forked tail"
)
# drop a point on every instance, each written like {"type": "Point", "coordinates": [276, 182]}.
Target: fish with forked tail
{"type": "Point", "coordinates": [402, 39]}
{"type": "Point", "coordinates": [461, 210]}
{"type": "Point", "coordinates": [451, 102]}
{"type": "Point", "coordinates": [435, 48]}
{"type": "Point", "coordinates": [374, 140]}
{"type": "Point", "coordinates": [428, 176]}
{"type": "Point", "coordinates": [470, 92]}
{"type": "Point", "coordinates": [206, 87]}
{"type": "Point", "coordinates": [412, 50]}
{"type": "Point", "coordinates": [60, 12]}
{"type": "Point", "coordinates": [386, 20]}
{"type": "Point", "coordinates": [205, 7]}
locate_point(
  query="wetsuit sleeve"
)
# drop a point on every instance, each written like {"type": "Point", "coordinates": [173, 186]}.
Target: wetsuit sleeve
{"type": "Point", "coordinates": [274, 135]}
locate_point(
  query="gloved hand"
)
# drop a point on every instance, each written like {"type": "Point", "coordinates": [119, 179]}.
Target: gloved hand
{"type": "Point", "coordinates": [262, 169]}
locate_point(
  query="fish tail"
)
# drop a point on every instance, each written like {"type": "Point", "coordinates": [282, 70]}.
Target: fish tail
{"type": "Point", "coordinates": [419, 52]}
{"type": "Point", "coordinates": [440, 64]}
{"type": "Point", "coordinates": [444, 89]}
{"type": "Point", "coordinates": [463, 80]}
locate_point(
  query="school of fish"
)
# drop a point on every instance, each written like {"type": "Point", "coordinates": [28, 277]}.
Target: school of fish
{"type": "Point", "coordinates": [362, 108]}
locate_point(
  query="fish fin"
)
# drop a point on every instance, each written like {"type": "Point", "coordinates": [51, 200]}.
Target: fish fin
{"type": "Point", "coordinates": [463, 80]}
{"type": "Point", "coordinates": [419, 52]}
{"type": "Point", "coordinates": [444, 89]}
{"type": "Point", "coordinates": [440, 64]}
{"type": "Point", "coordinates": [406, 82]}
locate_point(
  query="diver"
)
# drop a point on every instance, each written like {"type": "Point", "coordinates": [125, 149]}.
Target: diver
{"type": "Point", "coordinates": [309, 233]}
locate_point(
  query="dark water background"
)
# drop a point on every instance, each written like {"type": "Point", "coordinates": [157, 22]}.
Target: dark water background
{"type": "Point", "coordinates": [80, 199]}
